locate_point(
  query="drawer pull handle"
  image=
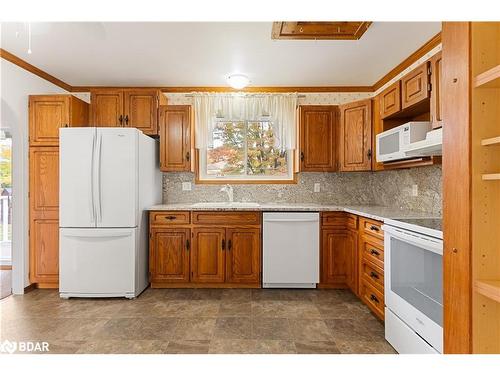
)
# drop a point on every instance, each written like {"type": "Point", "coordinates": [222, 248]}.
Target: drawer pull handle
{"type": "Point", "coordinates": [170, 217]}
{"type": "Point", "coordinates": [229, 244]}
{"type": "Point", "coordinates": [374, 275]}
{"type": "Point", "coordinates": [374, 299]}
{"type": "Point", "coordinates": [223, 244]}
{"type": "Point", "coordinates": [374, 252]}
{"type": "Point", "coordinates": [375, 228]}
{"type": "Point", "coordinates": [188, 245]}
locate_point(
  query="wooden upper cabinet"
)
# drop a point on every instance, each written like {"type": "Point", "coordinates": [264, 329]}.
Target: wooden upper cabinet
{"type": "Point", "coordinates": [48, 113]}
{"type": "Point", "coordinates": [436, 69]}
{"type": "Point", "coordinates": [141, 110]}
{"type": "Point", "coordinates": [175, 138]}
{"type": "Point", "coordinates": [44, 214]}
{"type": "Point", "coordinates": [415, 86]}
{"type": "Point", "coordinates": [207, 255]}
{"type": "Point", "coordinates": [106, 108]}
{"type": "Point", "coordinates": [169, 255]}
{"type": "Point", "coordinates": [356, 136]}
{"type": "Point", "coordinates": [390, 100]}
{"type": "Point", "coordinates": [243, 255]}
{"type": "Point", "coordinates": [317, 134]}
{"type": "Point", "coordinates": [377, 128]}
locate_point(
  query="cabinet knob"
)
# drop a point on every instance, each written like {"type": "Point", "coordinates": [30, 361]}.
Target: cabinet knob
{"type": "Point", "coordinates": [126, 120]}
{"type": "Point", "coordinates": [187, 156]}
{"type": "Point", "coordinates": [374, 252]}
{"type": "Point", "coordinates": [373, 298]}
{"type": "Point", "coordinates": [369, 154]}
{"type": "Point", "coordinates": [302, 156]}
{"type": "Point", "coordinates": [374, 275]}
{"type": "Point", "coordinates": [375, 228]}
{"type": "Point", "coordinates": [120, 119]}
{"type": "Point", "coordinates": [170, 217]}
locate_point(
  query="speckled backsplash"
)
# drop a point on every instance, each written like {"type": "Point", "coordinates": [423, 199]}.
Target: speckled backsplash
{"type": "Point", "coordinates": [387, 188]}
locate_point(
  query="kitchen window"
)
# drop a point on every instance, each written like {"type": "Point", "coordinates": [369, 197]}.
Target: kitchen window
{"type": "Point", "coordinates": [244, 150]}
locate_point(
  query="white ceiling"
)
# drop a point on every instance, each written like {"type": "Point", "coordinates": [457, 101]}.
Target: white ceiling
{"type": "Point", "coordinates": [204, 53]}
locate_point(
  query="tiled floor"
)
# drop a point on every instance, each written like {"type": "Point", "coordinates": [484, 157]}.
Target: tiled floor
{"type": "Point", "coordinates": [197, 321]}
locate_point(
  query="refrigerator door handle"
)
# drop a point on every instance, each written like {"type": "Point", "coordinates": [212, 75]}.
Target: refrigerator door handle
{"type": "Point", "coordinates": [99, 210]}
{"type": "Point", "coordinates": [92, 206]}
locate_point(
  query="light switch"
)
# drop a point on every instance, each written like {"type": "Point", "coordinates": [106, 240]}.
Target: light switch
{"type": "Point", "coordinates": [186, 186]}
{"type": "Point", "coordinates": [317, 187]}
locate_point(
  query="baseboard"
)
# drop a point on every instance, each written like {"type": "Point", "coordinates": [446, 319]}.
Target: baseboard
{"type": "Point", "coordinates": [204, 285]}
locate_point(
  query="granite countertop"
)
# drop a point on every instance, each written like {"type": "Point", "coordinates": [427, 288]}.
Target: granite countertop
{"type": "Point", "coordinates": [379, 213]}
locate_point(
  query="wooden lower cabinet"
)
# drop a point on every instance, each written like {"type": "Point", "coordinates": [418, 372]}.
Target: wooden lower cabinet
{"type": "Point", "coordinates": [338, 247]}
{"type": "Point", "coordinates": [169, 255]}
{"type": "Point", "coordinates": [183, 253]}
{"type": "Point", "coordinates": [207, 257]}
{"type": "Point", "coordinates": [44, 216]}
{"type": "Point", "coordinates": [243, 255]}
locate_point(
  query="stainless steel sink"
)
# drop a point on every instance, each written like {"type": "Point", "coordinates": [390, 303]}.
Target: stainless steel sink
{"type": "Point", "coordinates": [225, 204]}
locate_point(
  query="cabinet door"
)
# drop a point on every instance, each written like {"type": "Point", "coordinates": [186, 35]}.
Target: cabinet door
{"type": "Point", "coordinates": [356, 136]}
{"type": "Point", "coordinates": [47, 113]}
{"type": "Point", "coordinates": [243, 255]}
{"type": "Point", "coordinates": [44, 214]}
{"type": "Point", "coordinates": [106, 108]}
{"type": "Point", "coordinates": [337, 257]}
{"type": "Point", "coordinates": [169, 255]}
{"type": "Point", "coordinates": [207, 257]}
{"type": "Point", "coordinates": [175, 138]}
{"type": "Point", "coordinates": [141, 110]}
{"type": "Point", "coordinates": [436, 79]}
{"type": "Point", "coordinates": [390, 100]}
{"type": "Point", "coordinates": [415, 86]}
{"type": "Point", "coordinates": [318, 146]}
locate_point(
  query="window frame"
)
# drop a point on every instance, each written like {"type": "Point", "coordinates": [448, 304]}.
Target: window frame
{"type": "Point", "coordinates": [201, 178]}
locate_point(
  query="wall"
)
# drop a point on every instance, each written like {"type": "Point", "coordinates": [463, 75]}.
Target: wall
{"type": "Point", "coordinates": [16, 85]}
{"type": "Point", "coordinates": [386, 188]}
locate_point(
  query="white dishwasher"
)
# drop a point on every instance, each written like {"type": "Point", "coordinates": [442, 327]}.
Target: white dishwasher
{"type": "Point", "coordinates": [290, 250]}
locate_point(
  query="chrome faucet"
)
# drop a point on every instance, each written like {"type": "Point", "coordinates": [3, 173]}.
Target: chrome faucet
{"type": "Point", "coordinates": [229, 190]}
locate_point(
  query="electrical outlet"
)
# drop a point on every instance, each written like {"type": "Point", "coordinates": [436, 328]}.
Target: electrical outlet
{"type": "Point", "coordinates": [186, 186]}
{"type": "Point", "coordinates": [317, 187]}
{"type": "Point", "coordinates": [414, 190]}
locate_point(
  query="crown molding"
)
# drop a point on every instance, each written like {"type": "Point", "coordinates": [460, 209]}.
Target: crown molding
{"type": "Point", "coordinates": [33, 69]}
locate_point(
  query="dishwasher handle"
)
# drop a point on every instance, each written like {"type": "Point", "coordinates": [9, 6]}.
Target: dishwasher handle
{"type": "Point", "coordinates": [290, 220]}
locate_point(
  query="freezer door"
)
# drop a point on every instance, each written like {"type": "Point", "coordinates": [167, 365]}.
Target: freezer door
{"type": "Point", "coordinates": [76, 163]}
{"type": "Point", "coordinates": [117, 177]}
{"type": "Point", "coordinates": [97, 262]}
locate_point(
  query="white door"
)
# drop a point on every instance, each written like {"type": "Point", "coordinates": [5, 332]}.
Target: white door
{"type": "Point", "coordinates": [117, 178]}
{"type": "Point", "coordinates": [76, 178]}
{"type": "Point", "coordinates": [96, 262]}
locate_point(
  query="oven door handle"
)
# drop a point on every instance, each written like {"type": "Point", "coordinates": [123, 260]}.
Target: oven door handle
{"type": "Point", "coordinates": [427, 243]}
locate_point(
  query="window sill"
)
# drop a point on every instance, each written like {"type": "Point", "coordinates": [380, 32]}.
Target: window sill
{"type": "Point", "coordinates": [245, 182]}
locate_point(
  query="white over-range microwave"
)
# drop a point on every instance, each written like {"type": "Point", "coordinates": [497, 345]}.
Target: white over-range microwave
{"type": "Point", "coordinates": [392, 144]}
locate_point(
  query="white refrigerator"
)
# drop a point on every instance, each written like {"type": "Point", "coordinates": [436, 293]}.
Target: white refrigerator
{"type": "Point", "coordinates": [108, 177]}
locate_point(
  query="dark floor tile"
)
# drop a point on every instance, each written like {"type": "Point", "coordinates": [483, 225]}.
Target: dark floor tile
{"type": "Point", "coordinates": [298, 294]}
{"type": "Point", "coordinates": [301, 310]}
{"type": "Point", "coordinates": [316, 347]}
{"type": "Point", "coordinates": [235, 308]}
{"type": "Point", "coordinates": [207, 294]}
{"type": "Point", "coordinates": [82, 328]}
{"type": "Point", "coordinates": [233, 328]}
{"type": "Point", "coordinates": [188, 347]}
{"type": "Point", "coordinates": [119, 329]}
{"type": "Point", "coordinates": [271, 329]}
{"type": "Point", "coordinates": [174, 294]}
{"type": "Point", "coordinates": [310, 330]}
{"type": "Point", "coordinates": [266, 295]}
{"type": "Point", "coordinates": [195, 329]}
{"type": "Point", "coordinates": [157, 328]}
{"type": "Point", "coordinates": [270, 309]}
{"type": "Point", "coordinates": [244, 295]}
{"type": "Point", "coordinates": [348, 329]}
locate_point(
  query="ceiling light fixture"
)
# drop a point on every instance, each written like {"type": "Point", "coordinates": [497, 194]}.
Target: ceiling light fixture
{"type": "Point", "coordinates": [238, 81]}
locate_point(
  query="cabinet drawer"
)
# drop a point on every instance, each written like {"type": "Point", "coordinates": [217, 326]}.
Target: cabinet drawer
{"type": "Point", "coordinates": [339, 219]}
{"type": "Point", "coordinates": [373, 298]}
{"type": "Point", "coordinates": [169, 217]}
{"type": "Point", "coordinates": [372, 274]}
{"type": "Point", "coordinates": [226, 218]}
{"type": "Point", "coordinates": [371, 227]}
{"type": "Point", "coordinates": [372, 250]}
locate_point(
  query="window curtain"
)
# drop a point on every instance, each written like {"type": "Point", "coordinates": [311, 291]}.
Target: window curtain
{"type": "Point", "coordinates": [280, 109]}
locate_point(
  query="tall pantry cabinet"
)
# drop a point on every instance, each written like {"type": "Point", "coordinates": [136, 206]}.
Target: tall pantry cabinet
{"type": "Point", "coordinates": [47, 113]}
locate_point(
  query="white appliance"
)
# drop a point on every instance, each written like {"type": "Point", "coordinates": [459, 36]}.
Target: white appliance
{"type": "Point", "coordinates": [290, 249]}
{"type": "Point", "coordinates": [431, 145]}
{"type": "Point", "coordinates": [107, 177]}
{"type": "Point", "coordinates": [414, 285]}
{"type": "Point", "coordinates": [393, 143]}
